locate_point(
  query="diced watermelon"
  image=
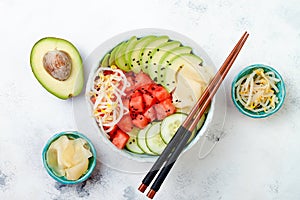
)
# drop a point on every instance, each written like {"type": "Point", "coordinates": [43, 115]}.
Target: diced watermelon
{"type": "Point", "coordinates": [150, 114]}
{"type": "Point", "coordinates": [120, 139]}
{"type": "Point", "coordinates": [136, 93]}
{"type": "Point", "coordinates": [160, 92]}
{"type": "Point", "coordinates": [125, 124]}
{"type": "Point", "coordinates": [140, 121]}
{"type": "Point", "coordinates": [146, 101]}
{"type": "Point", "coordinates": [149, 100]}
{"type": "Point", "coordinates": [112, 132]}
{"type": "Point", "coordinates": [168, 106]}
{"type": "Point", "coordinates": [136, 104]}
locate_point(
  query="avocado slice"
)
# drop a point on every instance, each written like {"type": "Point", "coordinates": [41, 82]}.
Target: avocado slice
{"type": "Point", "coordinates": [105, 60]}
{"type": "Point", "coordinates": [134, 56]}
{"type": "Point", "coordinates": [121, 60]}
{"type": "Point", "coordinates": [57, 65]}
{"type": "Point", "coordinates": [165, 62]}
{"type": "Point", "coordinates": [113, 53]}
{"type": "Point", "coordinates": [157, 54]}
{"type": "Point", "coordinates": [146, 51]}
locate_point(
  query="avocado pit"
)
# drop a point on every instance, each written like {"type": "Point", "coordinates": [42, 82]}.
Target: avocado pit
{"type": "Point", "coordinates": [58, 64]}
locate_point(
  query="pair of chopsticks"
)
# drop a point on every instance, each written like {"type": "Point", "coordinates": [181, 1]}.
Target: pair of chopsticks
{"type": "Point", "coordinates": [179, 140]}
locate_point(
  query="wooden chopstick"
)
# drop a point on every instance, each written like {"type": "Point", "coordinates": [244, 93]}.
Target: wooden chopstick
{"type": "Point", "coordinates": [179, 140]}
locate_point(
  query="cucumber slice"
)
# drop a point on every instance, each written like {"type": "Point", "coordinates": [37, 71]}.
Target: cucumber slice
{"type": "Point", "coordinates": [170, 125]}
{"type": "Point", "coordinates": [141, 140]}
{"type": "Point", "coordinates": [153, 139]}
{"type": "Point", "coordinates": [131, 144]}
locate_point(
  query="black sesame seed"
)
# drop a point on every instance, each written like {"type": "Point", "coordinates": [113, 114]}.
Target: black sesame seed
{"type": "Point", "coordinates": [173, 81]}
{"type": "Point", "coordinates": [150, 57]}
{"type": "Point", "coordinates": [130, 142]}
{"type": "Point", "coordinates": [161, 75]}
{"type": "Point", "coordinates": [133, 59]}
{"type": "Point", "coordinates": [142, 54]}
{"type": "Point", "coordinates": [155, 79]}
{"type": "Point", "coordinates": [154, 63]}
{"type": "Point", "coordinates": [146, 61]}
{"type": "Point", "coordinates": [155, 71]}
{"type": "Point", "coordinates": [157, 49]}
{"type": "Point", "coordinates": [133, 140]}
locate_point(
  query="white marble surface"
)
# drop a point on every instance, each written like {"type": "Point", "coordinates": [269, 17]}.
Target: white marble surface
{"type": "Point", "coordinates": [258, 159]}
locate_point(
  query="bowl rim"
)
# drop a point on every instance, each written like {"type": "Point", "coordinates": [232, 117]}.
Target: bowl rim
{"type": "Point", "coordinates": [251, 68]}
{"type": "Point", "coordinates": [91, 166]}
{"type": "Point", "coordinates": [110, 43]}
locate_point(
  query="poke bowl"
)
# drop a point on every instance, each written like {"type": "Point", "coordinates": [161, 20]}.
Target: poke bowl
{"type": "Point", "coordinates": [141, 88]}
{"type": "Point", "coordinates": [115, 154]}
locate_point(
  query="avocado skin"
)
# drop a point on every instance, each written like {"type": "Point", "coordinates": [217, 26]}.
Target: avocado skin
{"type": "Point", "coordinates": [60, 92]}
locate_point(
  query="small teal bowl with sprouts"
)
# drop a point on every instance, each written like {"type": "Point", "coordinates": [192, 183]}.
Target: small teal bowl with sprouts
{"type": "Point", "coordinates": [258, 91]}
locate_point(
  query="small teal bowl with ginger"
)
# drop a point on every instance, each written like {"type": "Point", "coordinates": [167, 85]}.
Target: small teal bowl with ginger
{"type": "Point", "coordinates": [259, 96]}
{"type": "Point", "coordinates": [91, 160]}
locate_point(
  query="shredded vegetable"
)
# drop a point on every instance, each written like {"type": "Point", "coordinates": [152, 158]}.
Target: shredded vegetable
{"type": "Point", "coordinates": [106, 97]}
{"type": "Point", "coordinates": [257, 91]}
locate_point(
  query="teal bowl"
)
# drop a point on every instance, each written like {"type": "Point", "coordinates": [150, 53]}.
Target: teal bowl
{"type": "Point", "coordinates": [92, 160]}
{"type": "Point", "coordinates": [280, 95]}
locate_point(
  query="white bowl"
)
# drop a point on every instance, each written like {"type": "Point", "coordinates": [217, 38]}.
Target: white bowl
{"type": "Point", "coordinates": [107, 153]}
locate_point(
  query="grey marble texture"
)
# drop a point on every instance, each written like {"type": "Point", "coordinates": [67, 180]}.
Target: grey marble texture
{"type": "Point", "coordinates": [256, 158]}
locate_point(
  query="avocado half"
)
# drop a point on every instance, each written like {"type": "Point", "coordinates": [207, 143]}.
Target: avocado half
{"type": "Point", "coordinates": [57, 65]}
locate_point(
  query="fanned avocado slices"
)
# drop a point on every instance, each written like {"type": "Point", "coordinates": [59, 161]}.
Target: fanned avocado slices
{"type": "Point", "coordinates": [148, 48]}
{"type": "Point", "coordinates": [134, 56]}
{"type": "Point", "coordinates": [155, 56]}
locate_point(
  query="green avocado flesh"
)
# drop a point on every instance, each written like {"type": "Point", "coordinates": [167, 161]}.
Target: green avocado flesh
{"type": "Point", "coordinates": [57, 65]}
{"type": "Point", "coordinates": [163, 59]}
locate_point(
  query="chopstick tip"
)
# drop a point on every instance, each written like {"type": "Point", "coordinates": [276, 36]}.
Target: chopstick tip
{"type": "Point", "coordinates": [142, 187]}
{"type": "Point", "coordinates": [151, 194]}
